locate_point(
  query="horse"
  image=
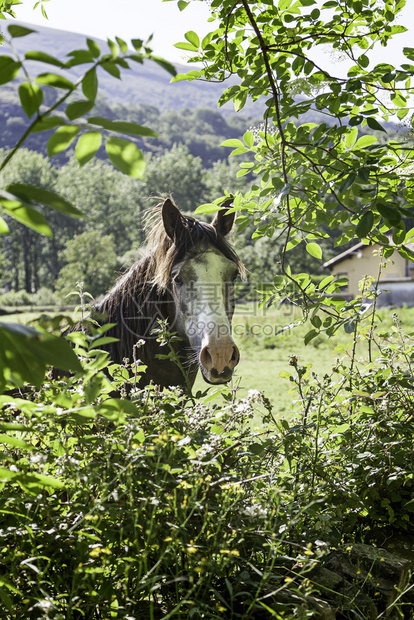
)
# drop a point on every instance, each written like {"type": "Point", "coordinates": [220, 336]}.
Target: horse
{"type": "Point", "coordinates": [187, 278]}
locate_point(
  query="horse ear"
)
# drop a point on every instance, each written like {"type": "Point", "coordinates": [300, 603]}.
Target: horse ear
{"type": "Point", "coordinates": [172, 219]}
{"type": "Point", "coordinates": [223, 221]}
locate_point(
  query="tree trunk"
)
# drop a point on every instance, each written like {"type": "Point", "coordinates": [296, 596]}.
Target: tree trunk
{"type": "Point", "coordinates": [27, 265]}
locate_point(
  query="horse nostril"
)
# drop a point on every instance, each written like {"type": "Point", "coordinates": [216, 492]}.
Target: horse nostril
{"type": "Point", "coordinates": [206, 359]}
{"type": "Point", "coordinates": [235, 357]}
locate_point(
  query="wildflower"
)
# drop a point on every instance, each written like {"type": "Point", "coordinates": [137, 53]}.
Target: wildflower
{"type": "Point", "coordinates": [230, 552]}
{"type": "Point", "coordinates": [186, 485]}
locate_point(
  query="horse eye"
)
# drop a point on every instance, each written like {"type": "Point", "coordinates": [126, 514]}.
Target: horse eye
{"type": "Point", "coordinates": [178, 280]}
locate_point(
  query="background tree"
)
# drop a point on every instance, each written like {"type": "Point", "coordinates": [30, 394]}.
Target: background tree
{"type": "Point", "coordinates": [90, 258]}
{"type": "Point", "coordinates": [177, 173]}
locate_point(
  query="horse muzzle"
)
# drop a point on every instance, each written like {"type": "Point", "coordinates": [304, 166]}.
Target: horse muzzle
{"type": "Point", "coordinates": [217, 362]}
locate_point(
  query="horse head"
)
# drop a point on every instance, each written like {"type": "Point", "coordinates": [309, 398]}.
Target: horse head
{"type": "Point", "coordinates": [202, 287]}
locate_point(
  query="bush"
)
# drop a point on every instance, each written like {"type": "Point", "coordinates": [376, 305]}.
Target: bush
{"type": "Point", "coordinates": [45, 297]}
{"type": "Point", "coordinates": [166, 506]}
{"type": "Point", "coordinates": [16, 299]}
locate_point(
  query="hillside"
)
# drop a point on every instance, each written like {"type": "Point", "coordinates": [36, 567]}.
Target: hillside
{"type": "Point", "coordinates": [147, 83]}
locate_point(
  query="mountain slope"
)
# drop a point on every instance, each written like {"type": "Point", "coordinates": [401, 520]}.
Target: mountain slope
{"type": "Point", "coordinates": [148, 83]}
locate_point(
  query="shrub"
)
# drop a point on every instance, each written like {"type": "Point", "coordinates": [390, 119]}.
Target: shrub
{"type": "Point", "coordinates": [16, 299]}
{"type": "Point", "coordinates": [166, 506]}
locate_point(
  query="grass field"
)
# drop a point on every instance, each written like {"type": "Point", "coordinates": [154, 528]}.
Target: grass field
{"type": "Point", "coordinates": [265, 352]}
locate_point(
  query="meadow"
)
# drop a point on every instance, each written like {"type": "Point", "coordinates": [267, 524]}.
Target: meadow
{"type": "Point", "coordinates": [268, 338]}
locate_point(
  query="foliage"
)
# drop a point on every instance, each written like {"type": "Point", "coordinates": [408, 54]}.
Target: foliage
{"type": "Point", "coordinates": [90, 258]}
{"type": "Point", "coordinates": [352, 453]}
{"type": "Point", "coordinates": [176, 173]}
{"type": "Point", "coordinates": [315, 176]}
{"type": "Point", "coordinates": [144, 85]}
{"type": "Point", "coordinates": [42, 297]}
{"type": "Point", "coordinates": [74, 128]}
{"type": "Point", "coordinates": [162, 506]}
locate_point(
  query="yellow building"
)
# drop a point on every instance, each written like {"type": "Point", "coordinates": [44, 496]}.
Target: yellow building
{"type": "Point", "coordinates": [396, 278]}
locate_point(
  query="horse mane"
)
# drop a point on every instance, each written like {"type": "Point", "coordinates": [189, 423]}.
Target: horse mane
{"type": "Point", "coordinates": [142, 292]}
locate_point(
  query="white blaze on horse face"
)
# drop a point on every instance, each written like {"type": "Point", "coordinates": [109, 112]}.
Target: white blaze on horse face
{"type": "Point", "coordinates": [203, 292]}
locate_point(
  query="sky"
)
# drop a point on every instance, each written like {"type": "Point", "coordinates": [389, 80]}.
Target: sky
{"type": "Point", "coordinates": [128, 19]}
{"type": "Point", "coordinates": [139, 18]}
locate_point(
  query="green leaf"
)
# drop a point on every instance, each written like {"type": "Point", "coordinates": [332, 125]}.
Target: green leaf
{"type": "Point", "coordinates": [248, 139]}
{"type": "Point", "coordinates": [316, 321]}
{"type": "Point", "coordinates": [165, 65]}
{"type": "Point", "coordinates": [24, 213]}
{"type": "Point", "coordinates": [78, 108]}
{"type": "Point", "coordinates": [46, 481]}
{"type": "Point", "coordinates": [126, 156]}
{"type": "Point", "coordinates": [4, 229]}
{"type": "Point", "coordinates": [350, 137]}
{"type": "Point", "coordinates": [43, 57]}
{"type": "Point", "coordinates": [62, 139]}
{"type": "Point", "coordinates": [207, 208]}
{"type": "Point", "coordinates": [347, 182]}
{"type": "Point", "coordinates": [87, 146]}
{"type": "Point", "coordinates": [409, 52]}
{"type": "Point", "coordinates": [44, 196]}
{"type": "Point", "coordinates": [233, 142]}
{"type": "Point", "coordinates": [55, 81]}
{"type": "Point", "coordinates": [373, 124]}
{"type": "Point", "coordinates": [192, 38]}
{"type": "Point", "coordinates": [365, 141]}
{"type": "Point", "coordinates": [122, 127]}
{"type": "Point", "coordinates": [15, 442]}
{"type": "Point", "coordinates": [314, 250]}
{"type": "Point", "coordinates": [48, 123]}
{"type": "Point", "coordinates": [90, 84]}
{"type": "Point", "coordinates": [111, 68]}
{"type": "Point", "coordinates": [363, 174]}
{"type": "Point", "coordinates": [93, 48]}
{"type": "Point", "coordinates": [25, 354]}
{"type": "Point", "coordinates": [79, 57]}
{"type": "Point", "coordinates": [356, 120]}
{"type": "Point", "coordinates": [31, 98]}
{"type": "Point", "coordinates": [19, 31]}
{"type": "Point", "coordinates": [186, 46]}
{"type": "Point", "coordinates": [310, 336]}
{"type": "Point", "coordinates": [9, 68]}
{"type": "Point", "coordinates": [365, 225]}
{"type": "Point", "coordinates": [122, 45]}
{"type": "Point", "coordinates": [389, 213]}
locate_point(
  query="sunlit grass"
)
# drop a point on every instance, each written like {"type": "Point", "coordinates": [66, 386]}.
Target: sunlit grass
{"type": "Point", "coordinates": [265, 350]}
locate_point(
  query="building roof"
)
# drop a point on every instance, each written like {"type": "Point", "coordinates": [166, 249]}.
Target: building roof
{"type": "Point", "coordinates": [354, 250]}
{"type": "Point", "coordinates": [347, 254]}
